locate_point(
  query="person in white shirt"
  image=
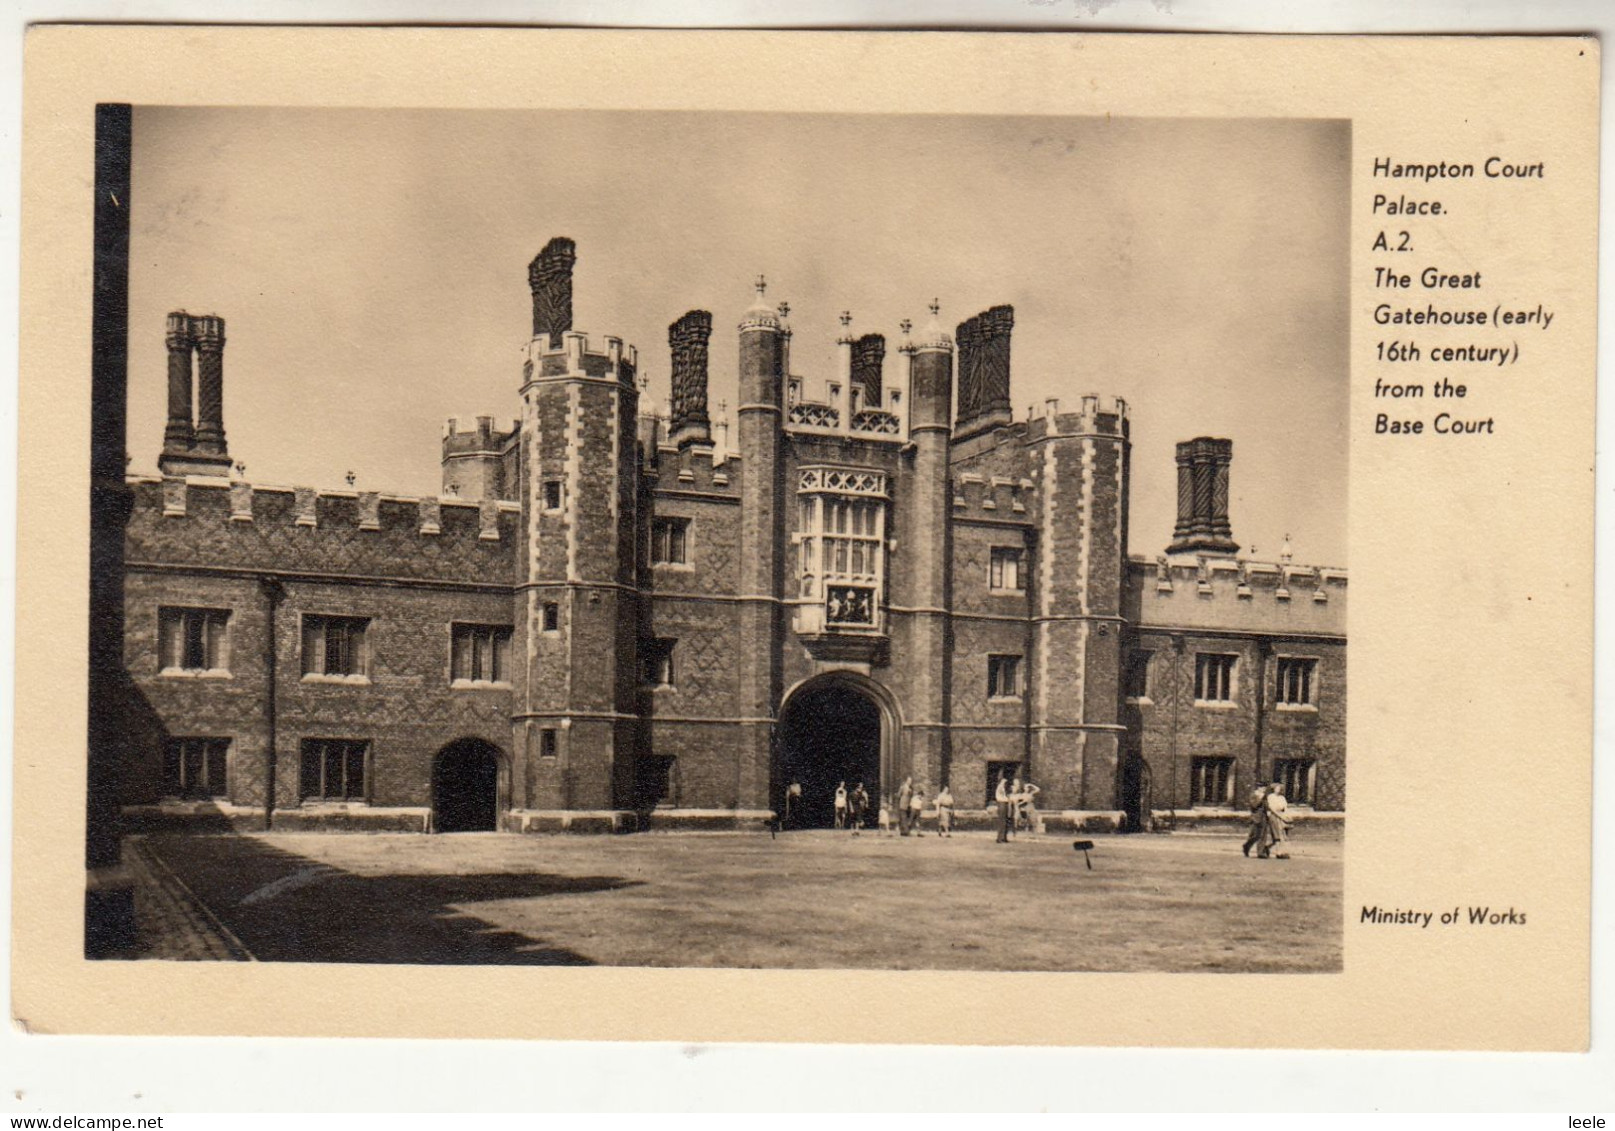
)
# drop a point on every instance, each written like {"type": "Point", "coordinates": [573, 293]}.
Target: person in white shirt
{"type": "Point", "coordinates": [1002, 797]}
{"type": "Point", "coordinates": [841, 806]}
{"type": "Point", "coordinates": [916, 808]}
{"type": "Point", "coordinates": [944, 811]}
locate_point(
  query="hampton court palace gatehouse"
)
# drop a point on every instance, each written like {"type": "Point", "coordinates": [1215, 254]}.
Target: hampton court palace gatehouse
{"type": "Point", "coordinates": [614, 617]}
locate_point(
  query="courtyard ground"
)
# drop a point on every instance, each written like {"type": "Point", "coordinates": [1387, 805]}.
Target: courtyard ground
{"type": "Point", "coordinates": [1179, 902]}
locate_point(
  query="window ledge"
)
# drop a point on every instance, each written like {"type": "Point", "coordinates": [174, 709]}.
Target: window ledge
{"type": "Point", "coordinates": [351, 680]}
{"type": "Point", "coordinates": [478, 684]}
{"type": "Point", "coordinates": [195, 673]}
{"type": "Point", "coordinates": [673, 565]}
{"type": "Point", "coordinates": [1141, 700]}
{"type": "Point", "coordinates": [1004, 699]}
{"type": "Point", "coordinates": [1217, 704]}
{"type": "Point", "coordinates": [1001, 592]}
{"type": "Point", "coordinates": [331, 804]}
{"type": "Point", "coordinates": [1301, 707]}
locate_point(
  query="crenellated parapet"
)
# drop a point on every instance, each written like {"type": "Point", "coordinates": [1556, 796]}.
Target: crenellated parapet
{"type": "Point", "coordinates": [1094, 418]}
{"type": "Point", "coordinates": [577, 357]}
{"type": "Point", "coordinates": [1212, 591]}
{"type": "Point", "coordinates": [996, 496]}
{"type": "Point", "coordinates": [209, 522]}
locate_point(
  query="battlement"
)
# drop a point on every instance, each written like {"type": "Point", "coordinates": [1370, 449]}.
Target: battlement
{"type": "Point", "coordinates": [198, 503]}
{"type": "Point", "coordinates": [481, 439]}
{"type": "Point", "coordinates": [575, 356]}
{"type": "Point", "coordinates": [1094, 419]}
{"type": "Point", "coordinates": [995, 496]}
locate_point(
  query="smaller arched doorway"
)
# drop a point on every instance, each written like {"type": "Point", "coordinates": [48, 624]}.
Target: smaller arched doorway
{"type": "Point", "coordinates": [833, 729]}
{"type": "Point", "coordinates": [1135, 791]}
{"type": "Point", "coordinates": [465, 787]}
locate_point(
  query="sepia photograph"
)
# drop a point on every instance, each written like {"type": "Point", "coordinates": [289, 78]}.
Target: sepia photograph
{"type": "Point", "coordinates": [721, 539]}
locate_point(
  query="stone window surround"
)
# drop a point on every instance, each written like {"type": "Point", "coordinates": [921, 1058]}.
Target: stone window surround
{"type": "Point", "coordinates": [1311, 703]}
{"type": "Point", "coordinates": [367, 650]}
{"type": "Point", "coordinates": [1231, 702]}
{"type": "Point", "coordinates": [462, 683]}
{"type": "Point", "coordinates": [219, 664]}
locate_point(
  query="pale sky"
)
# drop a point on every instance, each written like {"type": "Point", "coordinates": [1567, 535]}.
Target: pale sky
{"type": "Point", "coordinates": [371, 269]}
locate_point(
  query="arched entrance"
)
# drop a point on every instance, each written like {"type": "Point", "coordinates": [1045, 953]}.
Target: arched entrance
{"type": "Point", "coordinates": [465, 787]}
{"type": "Point", "coordinates": [1135, 791]}
{"type": "Point", "coordinates": [835, 728]}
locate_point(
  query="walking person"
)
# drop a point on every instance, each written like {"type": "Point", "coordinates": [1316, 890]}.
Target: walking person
{"type": "Point", "coordinates": [885, 816]}
{"type": "Point", "coordinates": [841, 805]}
{"type": "Point", "coordinates": [916, 809]}
{"type": "Point", "coordinates": [944, 811]}
{"type": "Point", "coordinates": [1276, 835]}
{"type": "Point", "coordinates": [1258, 818]}
{"type": "Point", "coordinates": [903, 796]}
{"type": "Point", "coordinates": [858, 807]}
{"type": "Point", "coordinates": [1001, 796]}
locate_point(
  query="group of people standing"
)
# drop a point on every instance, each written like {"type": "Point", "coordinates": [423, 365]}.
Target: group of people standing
{"type": "Point", "coordinates": [1016, 808]}
{"type": "Point", "coordinates": [852, 809]}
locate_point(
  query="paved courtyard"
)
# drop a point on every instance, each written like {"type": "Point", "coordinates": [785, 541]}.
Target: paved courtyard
{"type": "Point", "coordinates": [1181, 902]}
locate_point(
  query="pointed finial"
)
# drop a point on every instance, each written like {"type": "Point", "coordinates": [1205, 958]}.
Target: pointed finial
{"type": "Point", "coordinates": [241, 469]}
{"type": "Point", "coordinates": [352, 479]}
{"type": "Point", "coordinates": [936, 307]}
{"type": "Point", "coordinates": [1286, 554]}
{"type": "Point", "coordinates": [784, 310]}
{"type": "Point", "coordinates": [762, 286]}
{"type": "Point", "coordinates": [846, 318]}
{"type": "Point", "coordinates": [906, 326]}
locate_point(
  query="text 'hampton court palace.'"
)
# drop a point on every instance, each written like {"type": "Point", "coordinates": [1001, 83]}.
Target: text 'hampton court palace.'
{"type": "Point", "coordinates": [618, 618]}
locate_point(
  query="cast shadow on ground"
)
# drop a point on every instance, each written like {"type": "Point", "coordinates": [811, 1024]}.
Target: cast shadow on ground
{"type": "Point", "coordinates": [284, 907]}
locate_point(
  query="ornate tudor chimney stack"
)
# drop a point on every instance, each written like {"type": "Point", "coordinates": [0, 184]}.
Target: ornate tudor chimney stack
{"type": "Point", "coordinates": [868, 355]}
{"type": "Point", "coordinates": [984, 370]}
{"type": "Point", "coordinates": [549, 276]}
{"type": "Point", "coordinates": [208, 331]}
{"type": "Point", "coordinates": [193, 446]}
{"type": "Point", "coordinates": [1203, 525]}
{"type": "Point", "coordinates": [688, 339]}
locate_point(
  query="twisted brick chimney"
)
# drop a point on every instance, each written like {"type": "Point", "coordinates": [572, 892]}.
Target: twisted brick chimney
{"type": "Point", "coordinates": [195, 444]}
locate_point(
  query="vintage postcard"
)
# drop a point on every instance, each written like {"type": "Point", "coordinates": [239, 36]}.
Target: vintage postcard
{"type": "Point", "coordinates": [738, 519]}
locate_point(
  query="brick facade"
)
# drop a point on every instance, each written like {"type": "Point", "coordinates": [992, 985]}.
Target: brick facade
{"type": "Point", "coordinates": [660, 599]}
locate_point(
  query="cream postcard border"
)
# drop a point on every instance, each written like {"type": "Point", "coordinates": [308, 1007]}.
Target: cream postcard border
{"type": "Point", "coordinates": [1471, 569]}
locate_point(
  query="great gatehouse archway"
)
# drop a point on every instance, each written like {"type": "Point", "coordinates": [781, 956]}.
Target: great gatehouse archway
{"type": "Point", "coordinates": [836, 727]}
